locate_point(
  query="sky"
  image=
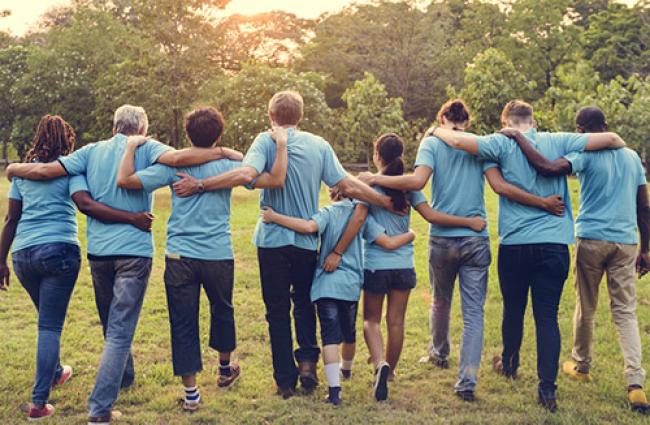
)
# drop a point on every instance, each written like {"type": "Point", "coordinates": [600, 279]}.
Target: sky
{"type": "Point", "coordinates": [25, 13]}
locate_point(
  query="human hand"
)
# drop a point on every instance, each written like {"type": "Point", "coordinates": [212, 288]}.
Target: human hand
{"type": "Point", "coordinates": [510, 132]}
{"type": "Point", "coordinates": [367, 177]}
{"type": "Point", "coordinates": [4, 276]}
{"type": "Point", "coordinates": [477, 224]}
{"type": "Point", "coordinates": [332, 261]}
{"type": "Point", "coordinates": [642, 264]}
{"type": "Point", "coordinates": [267, 215]}
{"type": "Point", "coordinates": [135, 141]}
{"type": "Point", "coordinates": [186, 186]}
{"type": "Point", "coordinates": [554, 204]}
{"type": "Point", "coordinates": [280, 135]}
{"type": "Point", "coordinates": [143, 221]}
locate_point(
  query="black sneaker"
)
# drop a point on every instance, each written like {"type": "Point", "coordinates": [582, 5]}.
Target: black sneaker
{"type": "Point", "coordinates": [286, 392]}
{"type": "Point", "coordinates": [440, 362]}
{"type": "Point", "coordinates": [466, 395]}
{"type": "Point", "coordinates": [497, 365]}
{"type": "Point", "coordinates": [334, 396]}
{"type": "Point", "coordinates": [380, 389]}
{"type": "Point", "coordinates": [346, 374]}
{"type": "Point", "coordinates": [547, 403]}
{"type": "Point", "coordinates": [307, 376]}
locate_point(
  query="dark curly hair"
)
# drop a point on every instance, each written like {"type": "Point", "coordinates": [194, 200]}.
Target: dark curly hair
{"type": "Point", "coordinates": [54, 137]}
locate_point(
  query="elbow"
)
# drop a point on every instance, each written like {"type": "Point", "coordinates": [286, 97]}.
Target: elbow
{"type": "Point", "coordinates": [122, 183]}
{"type": "Point", "coordinates": [499, 189]}
{"type": "Point", "coordinates": [11, 220]}
{"type": "Point", "coordinates": [277, 183]}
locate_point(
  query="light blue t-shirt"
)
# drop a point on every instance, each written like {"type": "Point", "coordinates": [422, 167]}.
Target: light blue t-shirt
{"type": "Point", "coordinates": [609, 182]}
{"type": "Point", "coordinates": [311, 160]}
{"type": "Point", "coordinates": [378, 258]}
{"type": "Point", "coordinates": [346, 281]}
{"type": "Point", "coordinates": [457, 184]}
{"type": "Point", "coordinates": [99, 162]}
{"type": "Point", "coordinates": [199, 225]}
{"type": "Point", "coordinates": [520, 224]}
{"type": "Point", "coordinates": [48, 213]}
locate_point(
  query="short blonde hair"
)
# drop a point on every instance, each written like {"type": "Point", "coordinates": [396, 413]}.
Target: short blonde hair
{"type": "Point", "coordinates": [286, 107]}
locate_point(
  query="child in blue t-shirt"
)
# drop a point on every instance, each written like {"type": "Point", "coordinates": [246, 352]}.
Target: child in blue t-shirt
{"type": "Point", "coordinates": [336, 292]}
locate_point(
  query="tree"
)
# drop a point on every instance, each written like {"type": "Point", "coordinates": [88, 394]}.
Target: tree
{"type": "Point", "coordinates": [402, 45]}
{"type": "Point", "coordinates": [491, 81]}
{"type": "Point", "coordinates": [13, 64]}
{"type": "Point", "coordinates": [614, 41]}
{"type": "Point", "coordinates": [243, 99]}
{"type": "Point", "coordinates": [369, 113]}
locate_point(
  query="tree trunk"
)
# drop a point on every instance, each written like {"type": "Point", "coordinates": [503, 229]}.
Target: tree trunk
{"type": "Point", "coordinates": [4, 152]}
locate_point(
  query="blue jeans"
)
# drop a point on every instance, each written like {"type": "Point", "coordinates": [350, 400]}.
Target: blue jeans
{"type": "Point", "coordinates": [540, 269]}
{"type": "Point", "coordinates": [467, 258]}
{"type": "Point", "coordinates": [48, 273]}
{"type": "Point", "coordinates": [119, 284]}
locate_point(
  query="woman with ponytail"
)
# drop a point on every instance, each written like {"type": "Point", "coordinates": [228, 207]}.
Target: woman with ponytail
{"type": "Point", "coordinates": [390, 275]}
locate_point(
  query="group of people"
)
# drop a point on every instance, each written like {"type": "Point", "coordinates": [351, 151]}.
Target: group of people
{"type": "Point", "coordinates": [316, 263]}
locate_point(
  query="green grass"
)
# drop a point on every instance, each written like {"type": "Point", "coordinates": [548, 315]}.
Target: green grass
{"type": "Point", "coordinates": [422, 394]}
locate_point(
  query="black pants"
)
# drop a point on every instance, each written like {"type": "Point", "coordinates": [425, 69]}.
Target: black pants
{"type": "Point", "coordinates": [183, 280]}
{"type": "Point", "coordinates": [542, 268]}
{"type": "Point", "coordinates": [286, 274]}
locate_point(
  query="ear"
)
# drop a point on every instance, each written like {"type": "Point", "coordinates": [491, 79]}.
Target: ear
{"type": "Point", "coordinates": [443, 120]}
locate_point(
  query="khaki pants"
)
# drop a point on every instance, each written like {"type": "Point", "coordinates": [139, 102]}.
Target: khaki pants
{"type": "Point", "coordinates": [593, 258]}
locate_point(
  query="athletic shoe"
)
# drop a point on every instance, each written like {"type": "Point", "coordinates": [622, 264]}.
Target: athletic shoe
{"type": "Point", "coordinates": [66, 374]}
{"type": "Point", "coordinates": [549, 404]}
{"type": "Point", "coordinates": [380, 389]}
{"type": "Point", "coordinates": [38, 413]}
{"type": "Point", "coordinates": [105, 420]}
{"type": "Point", "coordinates": [307, 376]}
{"type": "Point", "coordinates": [190, 406]}
{"type": "Point", "coordinates": [466, 395]}
{"type": "Point", "coordinates": [286, 392]}
{"type": "Point", "coordinates": [227, 381]}
{"type": "Point", "coordinates": [497, 366]}
{"type": "Point", "coordinates": [571, 369]}
{"type": "Point", "coordinates": [334, 396]}
{"type": "Point", "coordinates": [437, 361]}
{"type": "Point", "coordinates": [346, 374]}
{"type": "Point", "coordinates": [638, 401]}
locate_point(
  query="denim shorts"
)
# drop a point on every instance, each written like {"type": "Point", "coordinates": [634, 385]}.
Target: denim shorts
{"type": "Point", "coordinates": [384, 281]}
{"type": "Point", "coordinates": [337, 320]}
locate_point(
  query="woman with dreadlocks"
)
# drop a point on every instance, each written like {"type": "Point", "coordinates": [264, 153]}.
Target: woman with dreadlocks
{"type": "Point", "coordinates": [41, 230]}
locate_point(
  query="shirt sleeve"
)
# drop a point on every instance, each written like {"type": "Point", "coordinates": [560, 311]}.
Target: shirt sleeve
{"type": "Point", "coordinates": [333, 172]}
{"type": "Point", "coordinates": [322, 219]}
{"type": "Point", "coordinates": [256, 156]}
{"type": "Point", "coordinates": [77, 161]}
{"type": "Point", "coordinates": [490, 147]}
{"type": "Point", "coordinates": [426, 153]}
{"type": "Point", "coordinates": [416, 198]}
{"type": "Point", "coordinates": [156, 176]}
{"type": "Point", "coordinates": [77, 184]}
{"type": "Point", "coordinates": [155, 149]}
{"type": "Point", "coordinates": [578, 161]}
{"type": "Point", "coordinates": [14, 191]}
{"type": "Point", "coordinates": [489, 164]}
{"type": "Point", "coordinates": [372, 230]}
{"type": "Point", "coordinates": [569, 142]}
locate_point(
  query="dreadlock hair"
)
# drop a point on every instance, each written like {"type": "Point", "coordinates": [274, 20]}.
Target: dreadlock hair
{"type": "Point", "coordinates": [390, 149]}
{"type": "Point", "coordinates": [54, 137]}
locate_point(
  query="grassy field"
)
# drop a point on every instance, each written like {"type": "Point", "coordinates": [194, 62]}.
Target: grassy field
{"type": "Point", "coordinates": [422, 394]}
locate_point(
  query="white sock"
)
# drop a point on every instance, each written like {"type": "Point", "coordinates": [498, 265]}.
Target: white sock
{"type": "Point", "coordinates": [346, 364]}
{"type": "Point", "coordinates": [332, 373]}
{"type": "Point", "coordinates": [192, 395]}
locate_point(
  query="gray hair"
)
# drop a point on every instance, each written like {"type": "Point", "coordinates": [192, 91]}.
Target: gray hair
{"type": "Point", "coordinates": [130, 120]}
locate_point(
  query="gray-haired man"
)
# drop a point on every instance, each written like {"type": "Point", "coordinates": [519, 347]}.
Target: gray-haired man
{"type": "Point", "coordinates": [119, 254]}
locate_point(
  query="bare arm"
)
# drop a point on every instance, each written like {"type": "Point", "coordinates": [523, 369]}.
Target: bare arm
{"type": "Point", "coordinates": [36, 171]}
{"type": "Point", "coordinates": [353, 188]}
{"type": "Point", "coordinates": [296, 224]}
{"type": "Point", "coordinates": [197, 156]}
{"type": "Point", "coordinates": [351, 230]}
{"type": "Point", "coordinates": [126, 177]}
{"type": "Point", "coordinates": [559, 167]}
{"type": "Point", "coordinates": [415, 181]}
{"type": "Point", "coordinates": [554, 204]}
{"type": "Point", "coordinates": [278, 174]}
{"type": "Point", "coordinates": [14, 211]}
{"type": "Point", "coordinates": [106, 214]}
{"type": "Point", "coordinates": [600, 141]}
{"type": "Point", "coordinates": [643, 221]}
{"type": "Point", "coordinates": [393, 242]}
{"type": "Point", "coordinates": [458, 140]}
{"type": "Point", "coordinates": [477, 224]}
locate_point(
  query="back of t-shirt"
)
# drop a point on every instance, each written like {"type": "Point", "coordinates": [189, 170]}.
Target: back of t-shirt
{"type": "Point", "coordinates": [457, 184]}
{"type": "Point", "coordinates": [609, 182]}
{"type": "Point", "coordinates": [311, 161]}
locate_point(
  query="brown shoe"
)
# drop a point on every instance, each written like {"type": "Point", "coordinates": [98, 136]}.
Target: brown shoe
{"type": "Point", "coordinates": [286, 392]}
{"type": "Point", "coordinates": [307, 376]}
{"type": "Point", "coordinates": [227, 381]}
{"type": "Point", "coordinates": [104, 420]}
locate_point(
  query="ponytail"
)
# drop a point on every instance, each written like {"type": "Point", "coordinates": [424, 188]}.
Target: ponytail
{"type": "Point", "coordinates": [390, 149]}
